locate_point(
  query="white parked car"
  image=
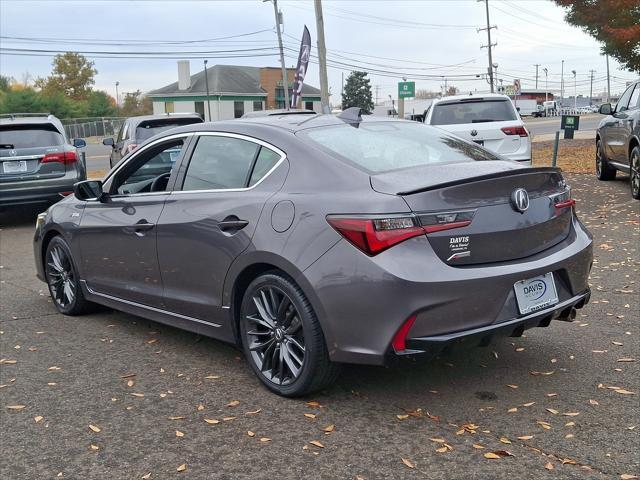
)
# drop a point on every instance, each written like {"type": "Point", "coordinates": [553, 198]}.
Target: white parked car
{"type": "Point", "coordinates": [490, 120]}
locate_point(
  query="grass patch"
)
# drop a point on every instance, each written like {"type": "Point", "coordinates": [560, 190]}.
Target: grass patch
{"type": "Point", "coordinates": [575, 156]}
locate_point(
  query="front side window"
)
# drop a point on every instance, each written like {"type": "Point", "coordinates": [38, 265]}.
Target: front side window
{"type": "Point", "coordinates": [473, 111]}
{"type": "Point", "coordinates": [223, 163]}
{"type": "Point", "coordinates": [238, 109]}
{"type": "Point", "coordinates": [623, 103]}
{"type": "Point", "coordinates": [147, 129]}
{"type": "Point", "coordinates": [635, 98]}
{"type": "Point", "coordinates": [149, 171]}
{"type": "Point", "coordinates": [384, 146]}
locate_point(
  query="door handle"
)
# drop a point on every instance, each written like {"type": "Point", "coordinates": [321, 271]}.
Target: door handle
{"type": "Point", "coordinates": [142, 227]}
{"type": "Point", "coordinates": [232, 224]}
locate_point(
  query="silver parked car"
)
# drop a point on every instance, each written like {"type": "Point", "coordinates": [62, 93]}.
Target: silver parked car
{"type": "Point", "coordinates": [311, 240]}
{"type": "Point", "coordinates": [37, 162]}
{"type": "Point", "coordinates": [618, 139]}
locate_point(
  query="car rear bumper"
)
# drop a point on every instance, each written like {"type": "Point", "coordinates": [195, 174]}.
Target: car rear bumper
{"type": "Point", "coordinates": [36, 192]}
{"type": "Point", "coordinates": [362, 302]}
{"type": "Point", "coordinates": [482, 336]}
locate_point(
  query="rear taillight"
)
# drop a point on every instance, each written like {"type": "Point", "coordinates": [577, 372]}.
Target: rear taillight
{"type": "Point", "coordinates": [131, 148]}
{"type": "Point", "coordinates": [563, 201]}
{"type": "Point", "coordinates": [62, 157]}
{"type": "Point", "coordinates": [399, 342]}
{"type": "Point", "coordinates": [375, 235]}
{"type": "Point", "coordinates": [520, 130]}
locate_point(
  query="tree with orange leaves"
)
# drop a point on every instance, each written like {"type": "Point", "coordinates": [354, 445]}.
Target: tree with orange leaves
{"type": "Point", "coordinates": [615, 23]}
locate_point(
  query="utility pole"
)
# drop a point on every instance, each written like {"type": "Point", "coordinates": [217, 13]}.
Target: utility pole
{"type": "Point", "coordinates": [562, 83]}
{"type": "Point", "coordinates": [546, 89]}
{"type": "Point", "coordinates": [322, 58]}
{"type": "Point", "coordinates": [285, 80]}
{"type": "Point", "coordinates": [206, 82]}
{"type": "Point", "coordinates": [608, 82]}
{"type": "Point", "coordinates": [591, 86]}
{"type": "Point", "coordinates": [377, 89]}
{"type": "Point", "coordinates": [489, 45]}
{"type": "Point", "coordinates": [118, 96]}
{"type": "Point", "coordinates": [575, 91]}
{"type": "Point", "coordinates": [537, 65]}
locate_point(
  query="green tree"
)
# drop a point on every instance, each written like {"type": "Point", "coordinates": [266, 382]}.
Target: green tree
{"type": "Point", "coordinates": [357, 92]}
{"type": "Point", "coordinates": [134, 103]}
{"type": "Point", "coordinates": [100, 104]}
{"type": "Point", "coordinates": [614, 23]}
{"type": "Point", "coordinates": [20, 101]}
{"type": "Point", "coordinates": [5, 83]}
{"type": "Point", "coordinates": [72, 75]}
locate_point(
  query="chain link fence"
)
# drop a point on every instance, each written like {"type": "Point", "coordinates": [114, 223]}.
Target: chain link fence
{"type": "Point", "coordinates": [92, 127]}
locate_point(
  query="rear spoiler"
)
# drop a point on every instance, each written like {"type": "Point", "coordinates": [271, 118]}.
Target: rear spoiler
{"type": "Point", "coordinates": [506, 173]}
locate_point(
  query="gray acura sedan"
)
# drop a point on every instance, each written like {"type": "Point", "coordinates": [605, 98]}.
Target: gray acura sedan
{"type": "Point", "coordinates": [312, 241]}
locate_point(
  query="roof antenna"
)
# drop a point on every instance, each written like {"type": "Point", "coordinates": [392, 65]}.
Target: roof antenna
{"type": "Point", "coordinates": [351, 115]}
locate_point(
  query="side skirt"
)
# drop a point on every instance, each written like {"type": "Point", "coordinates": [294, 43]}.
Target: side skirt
{"type": "Point", "coordinates": [195, 325]}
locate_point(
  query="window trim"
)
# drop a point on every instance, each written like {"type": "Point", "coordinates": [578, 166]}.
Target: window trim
{"type": "Point", "coordinates": [108, 180]}
{"type": "Point", "coordinates": [180, 181]}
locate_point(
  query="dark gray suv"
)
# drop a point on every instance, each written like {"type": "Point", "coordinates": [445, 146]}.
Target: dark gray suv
{"type": "Point", "coordinates": [310, 240]}
{"type": "Point", "coordinates": [37, 162]}
{"type": "Point", "coordinates": [618, 139]}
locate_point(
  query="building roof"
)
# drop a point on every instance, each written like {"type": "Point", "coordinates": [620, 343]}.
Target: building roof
{"type": "Point", "coordinates": [224, 79]}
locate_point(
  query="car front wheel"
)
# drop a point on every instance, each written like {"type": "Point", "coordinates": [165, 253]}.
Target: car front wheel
{"type": "Point", "coordinates": [604, 171]}
{"type": "Point", "coordinates": [282, 338]}
{"type": "Point", "coordinates": [62, 279]}
{"type": "Point", "coordinates": [634, 163]}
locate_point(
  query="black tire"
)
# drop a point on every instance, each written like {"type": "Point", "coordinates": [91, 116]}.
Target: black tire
{"type": "Point", "coordinates": [634, 172]}
{"type": "Point", "coordinates": [604, 171]}
{"type": "Point", "coordinates": [63, 280]}
{"type": "Point", "coordinates": [268, 337]}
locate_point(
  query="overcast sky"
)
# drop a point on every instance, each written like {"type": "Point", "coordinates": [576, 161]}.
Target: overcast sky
{"type": "Point", "coordinates": [417, 39]}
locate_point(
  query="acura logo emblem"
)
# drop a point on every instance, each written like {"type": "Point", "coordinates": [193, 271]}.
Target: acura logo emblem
{"type": "Point", "coordinates": [474, 132]}
{"type": "Point", "coordinates": [520, 200]}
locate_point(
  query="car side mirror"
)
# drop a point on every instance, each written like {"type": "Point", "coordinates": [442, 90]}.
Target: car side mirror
{"type": "Point", "coordinates": [79, 143]}
{"type": "Point", "coordinates": [108, 142]}
{"type": "Point", "coordinates": [89, 190]}
{"type": "Point", "coordinates": [605, 109]}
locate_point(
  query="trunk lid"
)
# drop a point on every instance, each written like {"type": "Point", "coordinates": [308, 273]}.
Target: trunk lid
{"type": "Point", "coordinates": [484, 191]}
{"type": "Point", "coordinates": [26, 163]}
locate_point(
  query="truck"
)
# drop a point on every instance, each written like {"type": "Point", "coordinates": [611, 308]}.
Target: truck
{"type": "Point", "coordinates": [525, 107]}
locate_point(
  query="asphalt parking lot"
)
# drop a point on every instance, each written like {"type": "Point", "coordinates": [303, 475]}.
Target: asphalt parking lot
{"type": "Point", "coordinates": [114, 396]}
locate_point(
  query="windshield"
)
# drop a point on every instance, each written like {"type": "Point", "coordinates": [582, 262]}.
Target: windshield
{"type": "Point", "coordinates": [473, 112]}
{"type": "Point", "coordinates": [29, 136]}
{"type": "Point", "coordinates": [147, 130]}
{"type": "Point", "coordinates": [383, 146]}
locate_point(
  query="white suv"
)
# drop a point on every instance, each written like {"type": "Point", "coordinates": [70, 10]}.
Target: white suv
{"type": "Point", "coordinates": [490, 120]}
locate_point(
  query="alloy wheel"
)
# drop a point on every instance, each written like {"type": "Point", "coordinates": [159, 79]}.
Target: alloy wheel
{"type": "Point", "coordinates": [598, 161]}
{"type": "Point", "coordinates": [635, 173]}
{"type": "Point", "coordinates": [60, 276]}
{"type": "Point", "coordinates": [275, 337]}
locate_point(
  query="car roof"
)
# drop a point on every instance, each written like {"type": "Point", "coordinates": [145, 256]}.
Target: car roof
{"type": "Point", "coordinates": [32, 119]}
{"type": "Point", "coordinates": [162, 116]}
{"type": "Point", "coordinates": [288, 122]}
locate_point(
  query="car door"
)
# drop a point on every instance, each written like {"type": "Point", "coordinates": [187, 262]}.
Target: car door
{"type": "Point", "coordinates": [210, 218]}
{"type": "Point", "coordinates": [615, 127]}
{"type": "Point", "coordinates": [630, 123]}
{"type": "Point", "coordinates": [117, 235]}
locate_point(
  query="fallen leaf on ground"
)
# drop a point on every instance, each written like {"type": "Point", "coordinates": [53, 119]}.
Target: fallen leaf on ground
{"type": "Point", "coordinates": [251, 434]}
{"type": "Point", "coordinates": [233, 403]}
{"type": "Point", "coordinates": [211, 421]}
{"type": "Point", "coordinates": [525, 437]}
{"type": "Point", "coordinates": [94, 428]}
{"type": "Point", "coordinates": [146, 476]}
{"type": "Point", "coordinates": [182, 467]}
{"type": "Point", "coordinates": [505, 440]}
{"type": "Point", "coordinates": [176, 418]}
{"type": "Point", "coordinates": [38, 418]}
{"type": "Point", "coordinates": [402, 417]}
{"type": "Point", "coordinates": [571, 414]}
{"type": "Point", "coordinates": [310, 415]}
{"type": "Point", "coordinates": [254, 412]}
{"type": "Point", "coordinates": [329, 428]}
{"type": "Point", "coordinates": [408, 463]}
{"type": "Point", "coordinates": [549, 466]}
{"type": "Point", "coordinates": [626, 360]}
{"type": "Point", "coordinates": [265, 439]}
{"type": "Point", "coordinates": [179, 433]}
{"type": "Point", "coordinates": [316, 443]}
{"type": "Point", "coordinates": [314, 404]}
{"type": "Point", "coordinates": [16, 407]}
{"type": "Point", "coordinates": [552, 410]}
{"type": "Point", "coordinates": [437, 440]}
{"type": "Point", "coordinates": [477, 447]}
{"type": "Point", "coordinates": [512, 386]}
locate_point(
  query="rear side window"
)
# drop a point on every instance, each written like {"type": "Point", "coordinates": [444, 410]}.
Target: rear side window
{"type": "Point", "coordinates": [29, 136]}
{"type": "Point", "coordinates": [220, 163]}
{"type": "Point", "coordinates": [384, 146]}
{"type": "Point", "coordinates": [473, 112]}
{"type": "Point", "coordinates": [635, 98]}
{"type": "Point", "coordinates": [265, 162]}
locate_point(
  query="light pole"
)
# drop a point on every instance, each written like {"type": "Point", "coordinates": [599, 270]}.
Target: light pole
{"type": "Point", "coordinates": [285, 80]}
{"type": "Point", "coordinates": [546, 89]}
{"type": "Point", "coordinates": [117, 96]}
{"type": "Point", "coordinates": [206, 83]}
{"type": "Point", "coordinates": [575, 95]}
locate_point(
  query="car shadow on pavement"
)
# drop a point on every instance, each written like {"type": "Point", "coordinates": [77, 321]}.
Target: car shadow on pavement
{"type": "Point", "coordinates": [20, 216]}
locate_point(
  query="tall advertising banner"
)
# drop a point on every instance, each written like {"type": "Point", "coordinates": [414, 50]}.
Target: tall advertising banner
{"type": "Point", "coordinates": [301, 70]}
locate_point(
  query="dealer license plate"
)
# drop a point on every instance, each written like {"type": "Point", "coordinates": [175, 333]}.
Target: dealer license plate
{"type": "Point", "coordinates": [14, 166]}
{"type": "Point", "coordinates": [536, 293]}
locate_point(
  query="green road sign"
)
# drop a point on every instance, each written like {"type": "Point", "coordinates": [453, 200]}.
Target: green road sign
{"type": "Point", "coordinates": [406, 89]}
